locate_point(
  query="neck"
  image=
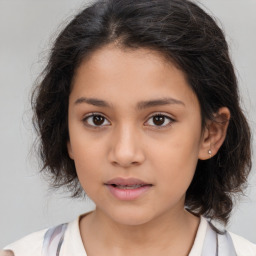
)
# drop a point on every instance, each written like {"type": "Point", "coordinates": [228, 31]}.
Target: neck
{"type": "Point", "coordinates": [171, 232]}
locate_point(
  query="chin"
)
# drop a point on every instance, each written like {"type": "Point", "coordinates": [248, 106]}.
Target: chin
{"type": "Point", "coordinates": [131, 216]}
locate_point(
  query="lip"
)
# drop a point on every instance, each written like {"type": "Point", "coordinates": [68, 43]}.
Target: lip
{"type": "Point", "coordinates": [127, 194]}
{"type": "Point", "coordinates": [126, 181]}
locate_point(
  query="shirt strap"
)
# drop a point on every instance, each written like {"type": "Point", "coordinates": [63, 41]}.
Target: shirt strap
{"type": "Point", "coordinates": [216, 244]}
{"type": "Point", "coordinates": [226, 245]}
{"type": "Point", "coordinates": [53, 240]}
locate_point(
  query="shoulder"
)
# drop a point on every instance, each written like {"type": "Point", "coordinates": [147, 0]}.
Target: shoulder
{"type": "Point", "coordinates": [243, 247]}
{"type": "Point", "coordinates": [228, 243]}
{"type": "Point", "coordinates": [48, 241]}
{"type": "Point", "coordinates": [30, 245]}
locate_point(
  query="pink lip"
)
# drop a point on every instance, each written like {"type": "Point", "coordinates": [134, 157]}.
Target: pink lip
{"type": "Point", "coordinates": [124, 181]}
{"type": "Point", "coordinates": [127, 193]}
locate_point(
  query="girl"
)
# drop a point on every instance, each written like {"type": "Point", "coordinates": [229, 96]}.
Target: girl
{"type": "Point", "coordinates": [139, 108]}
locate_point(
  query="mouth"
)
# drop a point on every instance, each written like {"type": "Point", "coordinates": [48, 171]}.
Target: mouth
{"type": "Point", "coordinates": [127, 189]}
{"type": "Point", "coordinates": [127, 183]}
{"type": "Point", "coordinates": [129, 186]}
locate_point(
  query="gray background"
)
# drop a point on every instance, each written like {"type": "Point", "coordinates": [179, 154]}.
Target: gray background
{"type": "Point", "coordinates": [26, 28]}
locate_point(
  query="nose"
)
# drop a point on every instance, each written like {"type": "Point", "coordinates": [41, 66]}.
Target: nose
{"type": "Point", "coordinates": [126, 147]}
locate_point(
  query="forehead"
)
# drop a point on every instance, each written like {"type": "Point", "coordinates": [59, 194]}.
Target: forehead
{"type": "Point", "coordinates": [113, 60]}
{"type": "Point", "coordinates": [127, 75]}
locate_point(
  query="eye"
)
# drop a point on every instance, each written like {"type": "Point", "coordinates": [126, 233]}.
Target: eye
{"type": "Point", "coordinates": [95, 120]}
{"type": "Point", "coordinates": [160, 120]}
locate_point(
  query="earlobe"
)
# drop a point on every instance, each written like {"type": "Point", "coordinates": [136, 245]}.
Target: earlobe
{"type": "Point", "coordinates": [214, 134]}
{"type": "Point", "coordinates": [70, 152]}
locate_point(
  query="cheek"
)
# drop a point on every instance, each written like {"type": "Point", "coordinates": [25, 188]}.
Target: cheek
{"type": "Point", "coordinates": [176, 159]}
{"type": "Point", "coordinates": [87, 157]}
{"type": "Point", "coordinates": [87, 176]}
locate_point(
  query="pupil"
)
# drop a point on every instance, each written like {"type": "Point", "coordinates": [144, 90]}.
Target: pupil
{"type": "Point", "coordinates": [159, 120]}
{"type": "Point", "coordinates": [98, 120]}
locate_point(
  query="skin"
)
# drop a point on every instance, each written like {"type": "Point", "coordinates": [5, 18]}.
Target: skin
{"type": "Point", "coordinates": [6, 253]}
{"type": "Point", "coordinates": [129, 143]}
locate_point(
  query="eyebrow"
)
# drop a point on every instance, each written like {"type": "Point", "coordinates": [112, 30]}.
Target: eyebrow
{"type": "Point", "coordinates": [140, 105]}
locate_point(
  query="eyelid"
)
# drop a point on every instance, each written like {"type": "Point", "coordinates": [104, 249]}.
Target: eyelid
{"type": "Point", "coordinates": [172, 120]}
{"type": "Point", "coordinates": [91, 115]}
{"type": "Point", "coordinates": [152, 115]}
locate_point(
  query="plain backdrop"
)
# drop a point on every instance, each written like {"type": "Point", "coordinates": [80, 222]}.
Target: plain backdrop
{"type": "Point", "coordinates": [26, 29]}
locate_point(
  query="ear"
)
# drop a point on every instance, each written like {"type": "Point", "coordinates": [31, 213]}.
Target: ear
{"type": "Point", "coordinates": [214, 134]}
{"type": "Point", "coordinates": [70, 152]}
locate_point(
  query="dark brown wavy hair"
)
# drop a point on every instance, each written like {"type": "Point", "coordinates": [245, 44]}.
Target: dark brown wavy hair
{"type": "Point", "coordinates": [189, 38]}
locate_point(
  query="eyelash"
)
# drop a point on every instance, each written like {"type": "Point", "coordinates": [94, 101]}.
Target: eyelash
{"type": "Point", "coordinates": [85, 119]}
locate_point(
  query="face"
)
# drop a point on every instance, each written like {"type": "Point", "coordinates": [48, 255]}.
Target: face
{"type": "Point", "coordinates": [135, 133]}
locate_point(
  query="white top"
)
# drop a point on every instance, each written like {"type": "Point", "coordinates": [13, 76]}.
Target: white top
{"type": "Point", "coordinates": [32, 244]}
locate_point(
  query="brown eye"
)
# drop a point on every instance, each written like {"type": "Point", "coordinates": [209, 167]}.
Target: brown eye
{"type": "Point", "coordinates": [95, 120]}
{"type": "Point", "coordinates": [98, 120]}
{"type": "Point", "coordinates": [160, 120]}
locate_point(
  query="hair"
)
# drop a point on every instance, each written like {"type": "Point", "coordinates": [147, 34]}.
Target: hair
{"type": "Point", "coordinates": [189, 38]}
